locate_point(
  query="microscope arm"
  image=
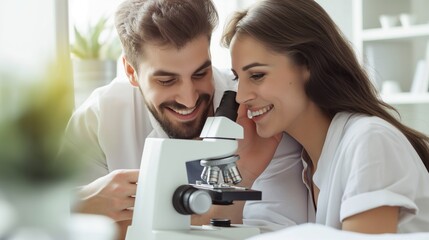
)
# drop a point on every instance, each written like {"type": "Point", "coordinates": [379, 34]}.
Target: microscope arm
{"type": "Point", "coordinates": [162, 170]}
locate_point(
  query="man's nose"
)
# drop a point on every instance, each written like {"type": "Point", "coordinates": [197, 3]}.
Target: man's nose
{"type": "Point", "coordinates": [188, 94]}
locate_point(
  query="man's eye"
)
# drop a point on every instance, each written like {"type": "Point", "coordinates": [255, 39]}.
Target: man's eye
{"type": "Point", "coordinates": [166, 82]}
{"type": "Point", "coordinates": [235, 78]}
{"type": "Point", "coordinates": [257, 76]}
{"type": "Point", "coordinates": [199, 75]}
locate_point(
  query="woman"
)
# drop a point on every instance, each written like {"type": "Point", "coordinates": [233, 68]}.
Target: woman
{"type": "Point", "coordinates": [365, 171]}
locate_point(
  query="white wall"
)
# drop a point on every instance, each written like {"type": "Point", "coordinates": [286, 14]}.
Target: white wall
{"type": "Point", "coordinates": [84, 12]}
{"type": "Point", "coordinates": [341, 12]}
{"type": "Point", "coordinates": [33, 33]}
{"type": "Point", "coordinates": [220, 55]}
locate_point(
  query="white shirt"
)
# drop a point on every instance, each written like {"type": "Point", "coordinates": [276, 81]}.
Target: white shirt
{"type": "Point", "coordinates": [367, 163]}
{"type": "Point", "coordinates": [113, 123]}
{"type": "Point", "coordinates": [284, 197]}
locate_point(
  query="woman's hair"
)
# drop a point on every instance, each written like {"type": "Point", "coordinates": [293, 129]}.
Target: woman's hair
{"type": "Point", "coordinates": [162, 23]}
{"type": "Point", "coordinates": [303, 31]}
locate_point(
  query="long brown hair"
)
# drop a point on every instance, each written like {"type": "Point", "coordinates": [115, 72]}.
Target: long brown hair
{"type": "Point", "coordinates": [162, 22]}
{"type": "Point", "coordinates": [303, 31]}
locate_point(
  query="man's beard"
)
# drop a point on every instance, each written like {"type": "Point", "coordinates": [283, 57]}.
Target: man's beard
{"type": "Point", "coordinates": [187, 130]}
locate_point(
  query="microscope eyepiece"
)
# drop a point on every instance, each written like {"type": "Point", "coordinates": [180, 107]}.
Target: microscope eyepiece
{"type": "Point", "coordinates": [228, 106]}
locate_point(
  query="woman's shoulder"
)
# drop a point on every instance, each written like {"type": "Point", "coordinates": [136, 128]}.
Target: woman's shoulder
{"type": "Point", "coordinates": [372, 137]}
{"type": "Point", "coordinates": [362, 132]}
{"type": "Point", "coordinates": [362, 125]}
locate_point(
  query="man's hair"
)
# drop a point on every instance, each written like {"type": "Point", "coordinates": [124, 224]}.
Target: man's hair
{"type": "Point", "coordinates": [162, 23]}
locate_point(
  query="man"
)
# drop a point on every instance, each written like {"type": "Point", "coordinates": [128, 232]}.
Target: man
{"type": "Point", "coordinates": [169, 90]}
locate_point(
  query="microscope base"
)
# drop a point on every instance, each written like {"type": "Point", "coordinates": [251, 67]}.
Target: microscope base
{"type": "Point", "coordinates": [205, 232]}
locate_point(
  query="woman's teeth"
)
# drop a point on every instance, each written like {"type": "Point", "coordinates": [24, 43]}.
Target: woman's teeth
{"type": "Point", "coordinates": [251, 114]}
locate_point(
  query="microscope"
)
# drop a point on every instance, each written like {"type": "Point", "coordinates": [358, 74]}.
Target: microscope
{"type": "Point", "coordinates": [165, 202]}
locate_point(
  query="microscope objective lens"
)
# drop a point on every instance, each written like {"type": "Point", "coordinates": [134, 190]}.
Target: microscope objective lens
{"type": "Point", "coordinates": [226, 177]}
{"type": "Point", "coordinates": [234, 174]}
{"type": "Point", "coordinates": [213, 174]}
{"type": "Point", "coordinates": [204, 174]}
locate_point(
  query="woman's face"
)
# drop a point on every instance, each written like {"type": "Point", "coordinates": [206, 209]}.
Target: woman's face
{"type": "Point", "coordinates": [270, 85]}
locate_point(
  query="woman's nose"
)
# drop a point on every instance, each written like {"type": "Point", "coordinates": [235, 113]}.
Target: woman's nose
{"type": "Point", "coordinates": [243, 93]}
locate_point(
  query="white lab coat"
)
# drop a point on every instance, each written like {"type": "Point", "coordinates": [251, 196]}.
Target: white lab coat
{"type": "Point", "coordinates": [110, 128]}
{"type": "Point", "coordinates": [367, 163]}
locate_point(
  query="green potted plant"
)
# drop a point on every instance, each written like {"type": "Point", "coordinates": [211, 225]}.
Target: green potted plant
{"type": "Point", "coordinates": [94, 56]}
{"type": "Point", "coordinates": [34, 178]}
{"type": "Point", "coordinates": [34, 115]}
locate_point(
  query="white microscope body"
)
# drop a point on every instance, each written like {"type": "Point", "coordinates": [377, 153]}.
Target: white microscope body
{"type": "Point", "coordinates": [163, 170]}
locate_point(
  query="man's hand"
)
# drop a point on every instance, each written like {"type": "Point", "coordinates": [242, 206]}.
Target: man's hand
{"type": "Point", "coordinates": [112, 195]}
{"type": "Point", "coordinates": [255, 152]}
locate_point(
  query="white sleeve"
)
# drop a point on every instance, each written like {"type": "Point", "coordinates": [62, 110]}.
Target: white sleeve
{"type": "Point", "coordinates": [381, 173]}
{"type": "Point", "coordinates": [82, 141]}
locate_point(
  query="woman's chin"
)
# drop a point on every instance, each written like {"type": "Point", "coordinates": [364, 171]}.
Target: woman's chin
{"type": "Point", "coordinates": [265, 133]}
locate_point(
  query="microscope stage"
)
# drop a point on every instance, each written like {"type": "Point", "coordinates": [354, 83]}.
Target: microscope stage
{"type": "Point", "coordinates": [226, 195]}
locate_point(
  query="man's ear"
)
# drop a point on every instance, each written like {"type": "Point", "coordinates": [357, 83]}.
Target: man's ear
{"type": "Point", "coordinates": [130, 72]}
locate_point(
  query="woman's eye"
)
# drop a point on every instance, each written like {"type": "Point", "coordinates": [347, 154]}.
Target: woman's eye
{"type": "Point", "coordinates": [257, 76]}
{"type": "Point", "coordinates": [235, 78]}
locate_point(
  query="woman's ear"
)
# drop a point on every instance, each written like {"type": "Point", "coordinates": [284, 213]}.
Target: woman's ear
{"type": "Point", "coordinates": [130, 72]}
{"type": "Point", "coordinates": [306, 73]}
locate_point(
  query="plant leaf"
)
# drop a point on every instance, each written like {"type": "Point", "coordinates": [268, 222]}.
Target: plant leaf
{"type": "Point", "coordinates": [99, 42]}
{"type": "Point", "coordinates": [81, 44]}
{"type": "Point", "coordinates": [95, 36]}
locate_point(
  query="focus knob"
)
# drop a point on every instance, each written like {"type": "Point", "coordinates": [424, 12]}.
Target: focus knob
{"type": "Point", "coordinates": [190, 200]}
